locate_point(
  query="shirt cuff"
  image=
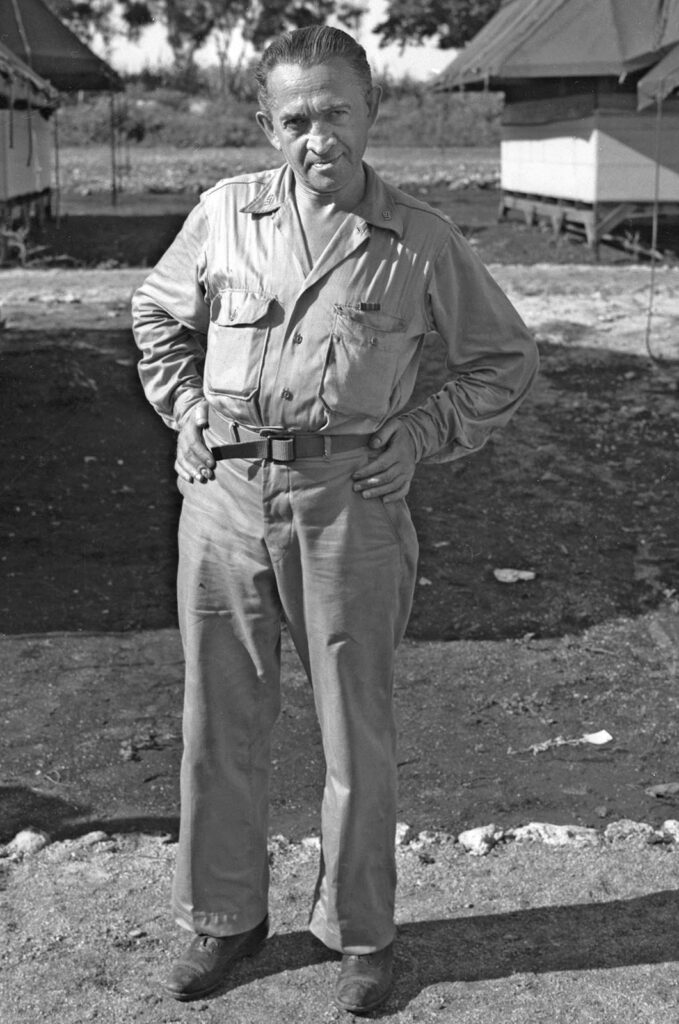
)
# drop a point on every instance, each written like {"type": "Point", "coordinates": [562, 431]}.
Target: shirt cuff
{"type": "Point", "coordinates": [184, 403]}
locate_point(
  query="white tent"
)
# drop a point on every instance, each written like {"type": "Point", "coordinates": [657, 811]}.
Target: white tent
{"type": "Point", "coordinates": [26, 103]}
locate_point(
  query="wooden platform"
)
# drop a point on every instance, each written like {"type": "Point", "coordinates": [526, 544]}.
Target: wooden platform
{"type": "Point", "coordinates": [596, 220]}
{"type": "Point", "coordinates": [16, 217]}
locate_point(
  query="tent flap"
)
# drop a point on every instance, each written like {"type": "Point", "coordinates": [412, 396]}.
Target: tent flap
{"type": "Point", "coordinates": [19, 84]}
{"type": "Point", "coordinates": [660, 81]}
{"type": "Point", "coordinates": [43, 42]}
{"type": "Point", "coordinates": [565, 38]}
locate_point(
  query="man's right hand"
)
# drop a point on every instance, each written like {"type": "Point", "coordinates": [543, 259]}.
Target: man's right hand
{"type": "Point", "coordinates": [194, 461]}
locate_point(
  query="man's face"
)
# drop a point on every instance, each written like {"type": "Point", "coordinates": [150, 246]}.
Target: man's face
{"type": "Point", "coordinates": [319, 119]}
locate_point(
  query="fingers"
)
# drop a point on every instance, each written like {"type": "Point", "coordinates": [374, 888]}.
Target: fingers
{"type": "Point", "coordinates": [388, 475]}
{"type": "Point", "coordinates": [391, 488]}
{"type": "Point", "coordinates": [194, 461]}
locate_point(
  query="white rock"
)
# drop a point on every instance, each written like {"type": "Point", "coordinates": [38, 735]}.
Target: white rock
{"type": "Point", "coordinates": [625, 829]}
{"type": "Point", "coordinates": [425, 839]}
{"type": "Point", "coordinates": [311, 843]}
{"type": "Point", "coordinates": [670, 829]}
{"type": "Point", "coordinates": [404, 833]}
{"type": "Point", "coordinates": [555, 835]}
{"type": "Point", "coordinates": [479, 841]}
{"type": "Point", "coordinates": [26, 842]}
{"type": "Point", "coordinates": [92, 838]}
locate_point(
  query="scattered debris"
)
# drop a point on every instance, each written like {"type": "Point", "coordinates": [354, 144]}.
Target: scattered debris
{"type": "Point", "coordinates": [596, 738]}
{"type": "Point", "coordinates": [514, 575]}
{"type": "Point", "coordinates": [663, 789]}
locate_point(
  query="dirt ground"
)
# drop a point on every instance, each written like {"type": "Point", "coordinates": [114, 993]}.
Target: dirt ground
{"type": "Point", "coordinates": [565, 936]}
{"type": "Point", "coordinates": [579, 491]}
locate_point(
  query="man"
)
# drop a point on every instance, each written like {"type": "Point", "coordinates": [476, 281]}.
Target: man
{"type": "Point", "coordinates": [280, 337]}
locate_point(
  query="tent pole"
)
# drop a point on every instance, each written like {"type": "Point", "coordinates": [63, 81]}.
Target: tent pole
{"type": "Point", "coordinates": [114, 170]}
{"type": "Point", "coordinates": [654, 229]}
{"type": "Point", "coordinates": [57, 170]}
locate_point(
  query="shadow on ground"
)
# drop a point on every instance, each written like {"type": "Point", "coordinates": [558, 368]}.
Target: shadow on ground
{"type": "Point", "coordinates": [580, 489]}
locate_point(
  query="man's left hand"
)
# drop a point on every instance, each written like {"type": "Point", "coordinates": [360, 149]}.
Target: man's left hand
{"type": "Point", "coordinates": [389, 475]}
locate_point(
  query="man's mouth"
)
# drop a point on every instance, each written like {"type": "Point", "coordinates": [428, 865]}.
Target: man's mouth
{"type": "Point", "coordinates": [324, 165]}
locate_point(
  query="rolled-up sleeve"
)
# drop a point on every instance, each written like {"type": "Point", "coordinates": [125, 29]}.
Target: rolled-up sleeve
{"type": "Point", "coordinates": [490, 355]}
{"type": "Point", "coordinates": [170, 319]}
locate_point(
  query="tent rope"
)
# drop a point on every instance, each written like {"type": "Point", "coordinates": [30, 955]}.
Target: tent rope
{"type": "Point", "coordinates": [658, 360]}
{"type": "Point", "coordinates": [22, 31]}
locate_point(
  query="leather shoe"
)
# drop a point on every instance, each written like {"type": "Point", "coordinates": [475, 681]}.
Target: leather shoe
{"type": "Point", "coordinates": [365, 981]}
{"type": "Point", "coordinates": [207, 960]}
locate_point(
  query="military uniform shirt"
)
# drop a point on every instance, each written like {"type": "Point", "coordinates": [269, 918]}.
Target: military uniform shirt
{"type": "Point", "coordinates": [235, 313]}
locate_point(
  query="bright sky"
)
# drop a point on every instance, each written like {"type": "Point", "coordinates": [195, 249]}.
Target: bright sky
{"type": "Point", "coordinates": [418, 61]}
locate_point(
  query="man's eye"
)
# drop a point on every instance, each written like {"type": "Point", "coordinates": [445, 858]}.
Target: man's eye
{"type": "Point", "coordinates": [293, 123]}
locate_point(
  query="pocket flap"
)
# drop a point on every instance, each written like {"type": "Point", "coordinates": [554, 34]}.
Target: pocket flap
{"type": "Point", "coordinates": [237, 307]}
{"type": "Point", "coordinates": [371, 320]}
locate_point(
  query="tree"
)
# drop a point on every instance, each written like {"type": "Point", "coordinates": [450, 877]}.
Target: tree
{"type": "Point", "coordinates": [189, 23]}
{"type": "Point", "coordinates": [268, 18]}
{"type": "Point", "coordinates": [86, 19]}
{"type": "Point", "coordinates": [351, 15]}
{"type": "Point", "coordinates": [452, 22]}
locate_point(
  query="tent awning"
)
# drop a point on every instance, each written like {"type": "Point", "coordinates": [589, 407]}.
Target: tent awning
{"type": "Point", "coordinates": [564, 38]}
{"type": "Point", "coordinates": [20, 86]}
{"type": "Point", "coordinates": [42, 41]}
{"type": "Point", "coordinates": [660, 81]}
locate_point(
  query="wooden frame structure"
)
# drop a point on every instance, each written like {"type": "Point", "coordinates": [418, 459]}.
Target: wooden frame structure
{"type": "Point", "coordinates": [27, 103]}
{"type": "Point", "coordinates": [589, 161]}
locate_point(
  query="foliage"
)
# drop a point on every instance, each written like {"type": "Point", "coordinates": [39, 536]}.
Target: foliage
{"type": "Point", "coordinates": [208, 116]}
{"type": "Point", "coordinates": [189, 23]}
{"type": "Point", "coordinates": [85, 17]}
{"type": "Point", "coordinates": [452, 22]}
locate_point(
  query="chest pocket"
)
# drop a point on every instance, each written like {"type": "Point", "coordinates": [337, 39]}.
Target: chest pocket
{"type": "Point", "coordinates": [240, 322]}
{"type": "Point", "coordinates": [367, 354]}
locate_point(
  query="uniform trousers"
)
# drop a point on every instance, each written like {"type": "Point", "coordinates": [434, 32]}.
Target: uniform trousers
{"type": "Point", "coordinates": [261, 543]}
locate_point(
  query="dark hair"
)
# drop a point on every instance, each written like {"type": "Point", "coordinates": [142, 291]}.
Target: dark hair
{"type": "Point", "coordinates": [308, 47]}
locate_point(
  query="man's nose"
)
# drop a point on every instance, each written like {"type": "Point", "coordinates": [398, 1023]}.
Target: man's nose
{"type": "Point", "coordinates": [321, 138]}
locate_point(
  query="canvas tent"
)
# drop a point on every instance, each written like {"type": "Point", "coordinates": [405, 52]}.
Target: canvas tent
{"type": "Point", "coordinates": [26, 103]}
{"type": "Point", "coordinates": [33, 33]}
{"type": "Point", "coordinates": [40, 42]}
{"type": "Point", "coordinates": [580, 139]}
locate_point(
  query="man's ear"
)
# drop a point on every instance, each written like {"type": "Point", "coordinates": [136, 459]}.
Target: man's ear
{"type": "Point", "coordinates": [266, 124]}
{"type": "Point", "coordinates": [374, 103]}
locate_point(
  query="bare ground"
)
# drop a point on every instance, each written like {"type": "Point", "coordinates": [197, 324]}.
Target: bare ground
{"type": "Point", "coordinates": [581, 490]}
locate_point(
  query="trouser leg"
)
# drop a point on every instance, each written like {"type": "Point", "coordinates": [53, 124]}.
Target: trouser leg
{"type": "Point", "coordinates": [230, 625]}
{"type": "Point", "coordinates": [346, 585]}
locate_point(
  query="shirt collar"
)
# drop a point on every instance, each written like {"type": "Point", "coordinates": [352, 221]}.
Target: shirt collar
{"type": "Point", "coordinates": [274, 193]}
{"type": "Point", "coordinates": [377, 207]}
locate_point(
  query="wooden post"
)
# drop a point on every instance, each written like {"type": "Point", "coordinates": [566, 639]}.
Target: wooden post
{"type": "Point", "coordinates": [114, 169]}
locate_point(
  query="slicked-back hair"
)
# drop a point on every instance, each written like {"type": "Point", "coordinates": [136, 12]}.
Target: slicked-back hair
{"type": "Point", "coordinates": [308, 47]}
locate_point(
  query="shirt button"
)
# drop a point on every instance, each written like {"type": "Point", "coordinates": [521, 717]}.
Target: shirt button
{"type": "Point", "coordinates": [286, 393]}
{"type": "Point", "coordinates": [297, 339]}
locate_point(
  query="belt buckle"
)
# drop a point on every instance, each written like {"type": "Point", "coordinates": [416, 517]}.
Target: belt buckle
{"type": "Point", "coordinates": [280, 448]}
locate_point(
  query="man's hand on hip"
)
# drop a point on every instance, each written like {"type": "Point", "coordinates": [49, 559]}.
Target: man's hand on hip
{"type": "Point", "coordinates": [194, 461]}
{"type": "Point", "coordinates": [389, 475]}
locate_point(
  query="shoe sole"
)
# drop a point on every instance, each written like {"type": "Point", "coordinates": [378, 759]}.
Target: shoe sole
{"type": "Point", "coordinates": [366, 1007]}
{"type": "Point", "coordinates": [247, 950]}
